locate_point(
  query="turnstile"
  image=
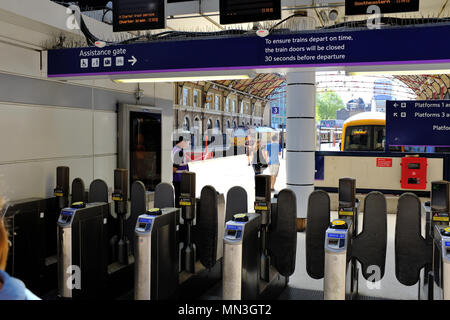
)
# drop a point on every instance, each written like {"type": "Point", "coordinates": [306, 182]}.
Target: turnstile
{"type": "Point", "coordinates": [441, 263]}
{"type": "Point", "coordinates": [156, 267]}
{"type": "Point", "coordinates": [260, 248]}
{"type": "Point", "coordinates": [172, 264]}
{"type": "Point", "coordinates": [82, 260]}
{"type": "Point", "coordinates": [338, 265]}
{"type": "Point", "coordinates": [241, 258]}
{"type": "Point", "coordinates": [31, 225]}
{"type": "Point", "coordinates": [424, 258]}
{"type": "Point", "coordinates": [332, 249]}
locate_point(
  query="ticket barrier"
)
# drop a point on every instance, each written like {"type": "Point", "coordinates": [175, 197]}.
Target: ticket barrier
{"type": "Point", "coordinates": [180, 257]}
{"type": "Point", "coordinates": [424, 259]}
{"type": "Point", "coordinates": [82, 239]}
{"type": "Point", "coordinates": [31, 225]}
{"type": "Point", "coordinates": [332, 249]}
{"type": "Point", "coordinates": [156, 267]}
{"type": "Point", "coordinates": [260, 248]}
{"type": "Point", "coordinates": [93, 244]}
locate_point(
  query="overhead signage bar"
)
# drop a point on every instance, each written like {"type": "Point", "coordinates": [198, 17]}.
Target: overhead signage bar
{"type": "Point", "coordinates": [240, 11]}
{"type": "Point", "coordinates": [385, 47]}
{"type": "Point", "coordinates": [130, 15]}
{"type": "Point", "coordinates": [418, 123]}
{"type": "Point", "coordinates": [358, 7]}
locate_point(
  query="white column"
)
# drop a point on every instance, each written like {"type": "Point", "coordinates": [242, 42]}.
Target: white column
{"type": "Point", "coordinates": [300, 136]}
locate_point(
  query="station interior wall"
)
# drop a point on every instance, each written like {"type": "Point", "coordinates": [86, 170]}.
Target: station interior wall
{"type": "Point", "coordinates": [46, 123]}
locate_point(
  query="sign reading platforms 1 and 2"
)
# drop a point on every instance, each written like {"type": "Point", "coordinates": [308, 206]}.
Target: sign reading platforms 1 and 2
{"type": "Point", "coordinates": [357, 7]}
{"type": "Point", "coordinates": [418, 123]}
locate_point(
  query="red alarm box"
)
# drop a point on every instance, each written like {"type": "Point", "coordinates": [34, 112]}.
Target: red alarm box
{"type": "Point", "coordinates": [414, 173]}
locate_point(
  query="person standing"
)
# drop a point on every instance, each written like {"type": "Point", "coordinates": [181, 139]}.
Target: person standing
{"type": "Point", "coordinates": [249, 145]}
{"type": "Point", "coordinates": [259, 158]}
{"type": "Point", "coordinates": [10, 288]}
{"type": "Point", "coordinates": [274, 152]}
{"type": "Point", "coordinates": [179, 166]}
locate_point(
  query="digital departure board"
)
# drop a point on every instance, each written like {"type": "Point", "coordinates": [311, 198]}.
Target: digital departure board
{"type": "Point", "coordinates": [240, 11]}
{"type": "Point", "coordinates": [357, 7]}
{"type": "Point", "coordinates": [139, 15]}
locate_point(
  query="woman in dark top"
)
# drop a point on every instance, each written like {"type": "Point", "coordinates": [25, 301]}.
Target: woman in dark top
{"type": "Point", "coordinates": [260, 158]}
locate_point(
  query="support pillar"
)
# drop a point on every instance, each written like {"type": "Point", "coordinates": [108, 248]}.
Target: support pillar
{"type": "Point", "coordinates": [300, 136]}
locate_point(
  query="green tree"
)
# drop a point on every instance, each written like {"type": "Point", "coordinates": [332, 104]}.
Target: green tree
{"type": "Point", "coordinates": [328, 103]}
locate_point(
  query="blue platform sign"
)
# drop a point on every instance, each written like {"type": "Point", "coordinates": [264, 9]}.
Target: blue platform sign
{"type": "Point", "coordinates": [392, 46]}
{"type": "Point", "coordinates": [418, 123]}
{"type": "Point", "coordinates": [275, 110]}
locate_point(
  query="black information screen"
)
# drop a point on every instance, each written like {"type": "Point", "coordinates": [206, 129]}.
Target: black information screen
{"type": "Point", "coordinates": [356, 7]}
{"type": "Point", "coordinates": [239, 11]}
{"type": "Point", "coordinates": [139, 15]}
{"type": "Point", "coordinates": [145, 148]}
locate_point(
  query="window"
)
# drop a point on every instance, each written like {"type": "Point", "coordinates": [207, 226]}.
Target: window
{"type": "Point", "coordinates": [185, 96]}
{"type": "Point", "coordinates": [241, 107]}
{"type": "Point", "coordinates": [209, 124]}
{"type": "Point", "coordinates": [234, 124]}
{"type": "Point", "coordinates": [196, 100]}
{"type": "Point", "coordinates": [227, 105]}
{"type": "Point", "coordinates": [228, 124]}
{"type": "Point", "coordinates": [364, 138]}
{"type": "Point", "coordinates": [218, 124]}
{"type": "Point", "coordinates": [186, 124]}
{"type": "Point", "coordinates": [217, 102]}
{"type": "Point", "coordinates": [209, 100]}
{"type": "Point", "coordinates": [246, 108]}
{"type": "Point", "coordinates": [233, 106]}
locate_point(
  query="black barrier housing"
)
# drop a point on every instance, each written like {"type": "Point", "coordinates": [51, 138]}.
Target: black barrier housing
{"type": "Point", "coordinates": [187, 202]}
{"type": "Point", "coordinates": [412, 251]}
{"type": "Point", "coordinates": [368, 247]}
{"type": "Point", "coordinates": [236, 202]}
{"type": "Point", "coordinates": [263, 207]}
{"type": "Point", "coordinates": [318, 217]}
{"type": "Point", "coordinates": [78, 191]}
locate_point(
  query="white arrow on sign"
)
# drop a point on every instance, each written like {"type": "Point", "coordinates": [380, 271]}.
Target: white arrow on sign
{"type": "Point", "coordinates": [395, 105]}
{"type": "Point", "coordinates": [133, 60]}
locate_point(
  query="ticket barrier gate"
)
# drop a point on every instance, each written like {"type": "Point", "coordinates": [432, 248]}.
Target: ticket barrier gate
{"type": "Point", "coordinates": [333, 248]}
{"type": "Point", "coordinates": [260, 248]}
{"type": "Point", "coordinates": [82, 239]}
{"type": "Point", "coordinates": [92, 242]}
{"type": "Point", "coordinates": [180, 264]}
{"type": "Point", "coordinates": [31, 225]}
{"type": "Point", "coordinates": [413, 252]}
{"type": "Point", "coordinates": [156, 267]}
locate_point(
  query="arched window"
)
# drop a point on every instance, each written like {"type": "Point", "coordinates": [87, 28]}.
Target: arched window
{"type": "Point", "coordinates": [217, 124]}
{"type": "Point", "coordinates": [228, 124]}
{"type": "Point", "coordinates": [209, 124]}
{"type": "Point", "coordinates": [186, 124]}
{"type": "Point", "coordinates": [234, 124]}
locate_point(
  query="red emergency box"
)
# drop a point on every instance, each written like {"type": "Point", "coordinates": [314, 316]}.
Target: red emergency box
{"type": "Point", "coordinates": [414, 173]}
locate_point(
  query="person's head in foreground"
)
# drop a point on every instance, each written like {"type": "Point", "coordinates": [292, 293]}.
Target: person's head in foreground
{"type": "Point", "coordinates": [10, 288]}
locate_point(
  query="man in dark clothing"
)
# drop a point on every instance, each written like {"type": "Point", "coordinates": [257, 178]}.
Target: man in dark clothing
{"type": "Point", "coordinates": [179, 165]}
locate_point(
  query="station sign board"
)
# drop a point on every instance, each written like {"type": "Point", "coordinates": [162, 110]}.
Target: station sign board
{"type": "Point", "coordinates": [358, 7]}
{"type": "Point", "coordinates": [240, 11]}
{"type": "Point", "coordinates": [296, 50]}
{"type": "Point", "coordinates": [418, 123]}
{"type": "Point", "coordinates": [130, 15]}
